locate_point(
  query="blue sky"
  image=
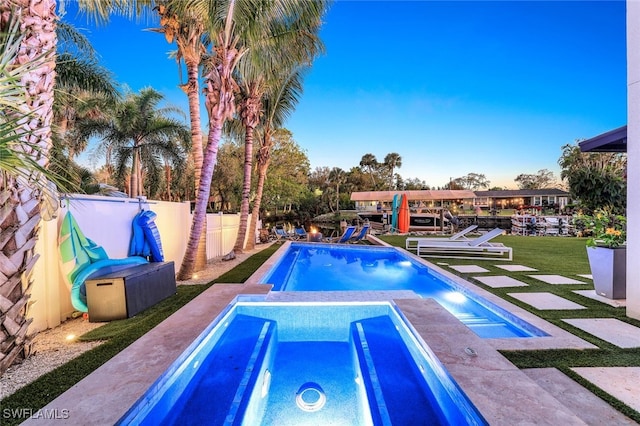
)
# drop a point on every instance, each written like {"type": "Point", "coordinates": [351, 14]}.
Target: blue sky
{"type": "Point", "coordinates": [453, 87]}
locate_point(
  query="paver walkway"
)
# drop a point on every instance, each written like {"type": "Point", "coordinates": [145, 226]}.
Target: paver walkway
{"type": "Point", "coordinates": [546, 301]}
{"type": "Point", "coordinates": [556, 279]}
{"type": "Point", "coordinates": [621, 382]}
{"type": "Point", "coordinates": [515, 268]}
{"type": "Point", "coordinates": [499, 281]}
{"type": "Point", "coordinates": [468, 269]}
{"type": "Point", "coordinates": [591, 294]}
{"type": "Point", "coordinates": [614, 331]}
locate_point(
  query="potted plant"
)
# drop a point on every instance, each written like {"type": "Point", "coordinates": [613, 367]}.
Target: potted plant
{"type": "Point", "coordinates": [607, 252]}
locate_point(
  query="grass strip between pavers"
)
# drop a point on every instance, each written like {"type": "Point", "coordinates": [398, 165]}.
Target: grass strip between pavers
{"type": "Point", "coordinates": [117, 335]}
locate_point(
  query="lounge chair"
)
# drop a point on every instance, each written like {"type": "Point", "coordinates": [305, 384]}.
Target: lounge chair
{"type": "Point", "coordinates": [281, 234]}
{"type": "Point", "coordinates": [361, 235]}
{"type": "Point", "coordinates": [300, 233]}
{"type": "Point", "coordinates": [346, 236]}
{"type": "Point", "coordinates": [412, 242]}
{"type": "Point", "coordinates": [478, 248]}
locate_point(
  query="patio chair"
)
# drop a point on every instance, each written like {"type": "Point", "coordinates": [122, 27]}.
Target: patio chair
{"type": "Point", "coordinates": [346, 236]}
{"type": "Point", "coordinates": [361, 235]}
{"type": "Point", "coordinates": [300, 233]}
{"type": "Point", "coordinates": [411, 243]}
{"type": "Point", "coordinates": [478, 248]}
{"type": "Point", "coordinates": [280, 233]}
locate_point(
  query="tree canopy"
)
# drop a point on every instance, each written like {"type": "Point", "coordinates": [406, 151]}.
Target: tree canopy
{"type": "Point", "coordinates": [595, 179]}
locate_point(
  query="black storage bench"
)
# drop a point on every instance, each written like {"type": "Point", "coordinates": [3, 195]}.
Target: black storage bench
{"type": "Point", "coordinates": [129, 291]}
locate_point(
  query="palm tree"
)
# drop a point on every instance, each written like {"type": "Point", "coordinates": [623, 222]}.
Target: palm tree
{"type": "Point", "coordinates": [235, 27]}
{"type": "Point", "coordinates": [369, 163]}
{"type": "Point", "coordinates": [83, 89]}
{"type": "Point", "coordinates": [337, 176]}
{"type": "Point", "coordinates": [21, 197]}
{"type": "Point", "coordinates": [251, 90]}
{"type": "Point", "coordinates": [278, 102]}
{"type": "Point", "coordinates": [139, 132]}
{"type": "Point", "coordinates": [187, 29]}
{"type": "Point", "coordinates": [27, 64]}
{"type": "Point", "coordinates": [289, 45]}
{"type": "Point", "coordinates": [392, 161]}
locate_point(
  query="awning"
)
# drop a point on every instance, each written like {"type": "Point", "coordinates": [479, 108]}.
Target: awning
{"type": "Point", "coordinates": [611, 141]}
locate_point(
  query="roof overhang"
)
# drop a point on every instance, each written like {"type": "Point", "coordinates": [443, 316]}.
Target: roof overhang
{"type": "Point", "coordinates": [611, 141]}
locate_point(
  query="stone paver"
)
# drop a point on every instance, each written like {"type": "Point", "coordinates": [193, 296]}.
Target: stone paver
{"type": "Point", "coordinates": [556, 279]}
{"type": "Point", "coordinates": [621, 382]}
{"type": "Point", "coordinates": [499, 281]}
{"type": "Point", "coordinates": [591, 294]}
{"type": "Point", "coordinates": [546, 301]}
{"type": "Point", "coordinates": [468, 269]}
{"type": "Point", "coordinates": [586, 405]}
{"type": "Point", "coordinates": [515, 268]}
{"type": "Point", "coordinates": [612, 330]}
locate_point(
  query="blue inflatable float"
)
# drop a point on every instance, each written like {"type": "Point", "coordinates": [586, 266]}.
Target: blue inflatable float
{"type": "Point", "coordinates": [145, 238]}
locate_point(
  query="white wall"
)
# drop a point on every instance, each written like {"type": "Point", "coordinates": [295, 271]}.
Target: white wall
{"type": "Point", "coordinates": [107, 221]}
{"type": "Point", "coordinates": [633, 158]}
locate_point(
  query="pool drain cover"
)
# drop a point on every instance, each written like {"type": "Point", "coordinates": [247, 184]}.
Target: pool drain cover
{"type": "Point", "coordinates": [310, 397]}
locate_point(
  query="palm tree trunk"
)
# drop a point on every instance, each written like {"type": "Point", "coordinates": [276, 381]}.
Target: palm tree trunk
{"type": "Point", "coordinates": [264, 158]}
{"type": "Point", "coordinates": [202, 198]}
{"type": "Point", "coordinates": [246, 190]}
{"type": "Point", "coordinates": [20, 204]}
{"type": "Point", "coordinates": [193, 94]}
{"type": "Point", "coordinates": [134, 174]}
{"type": "Point", "coordinates": [250, 110]}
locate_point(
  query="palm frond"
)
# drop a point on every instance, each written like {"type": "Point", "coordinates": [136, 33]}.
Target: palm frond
{"type": "Point", "coordinates": [70, 39]}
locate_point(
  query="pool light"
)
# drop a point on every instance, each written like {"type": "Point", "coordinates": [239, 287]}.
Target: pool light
{"type": "Point", "coordinates": [310, 397]}
{"type": "Point", "coordinates": [455, 297]}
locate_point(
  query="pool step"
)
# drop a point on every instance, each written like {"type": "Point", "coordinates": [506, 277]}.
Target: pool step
{"type": "Point", "coordinates": [392, 380]}
{"type": "Point", "coordinates": [225, 379]}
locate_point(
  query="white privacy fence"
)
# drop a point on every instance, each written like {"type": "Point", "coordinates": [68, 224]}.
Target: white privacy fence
{"type": "Point", "coordinates": [222, 231]}
{"type": "Point", "coordinates": [107, 221]}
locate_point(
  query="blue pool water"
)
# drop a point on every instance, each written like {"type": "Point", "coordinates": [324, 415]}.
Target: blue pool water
{"type": "Point", "coordinates": [331, 267]}
{"type": "Point", "coordinates": [264, 363]}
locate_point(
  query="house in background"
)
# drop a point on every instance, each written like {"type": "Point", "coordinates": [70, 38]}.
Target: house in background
{"type": "Point", "coordinates": [550, 198]}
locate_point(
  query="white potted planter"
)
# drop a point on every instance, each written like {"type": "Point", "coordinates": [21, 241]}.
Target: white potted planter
{"type": "Point", "coordinates": [609, 271]}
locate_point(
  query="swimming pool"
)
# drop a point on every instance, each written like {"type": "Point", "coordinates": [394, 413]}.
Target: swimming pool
{"type": "Point", "coordinates": [306, 363]}
{"type": "Point", "coordinates": [332, 267]}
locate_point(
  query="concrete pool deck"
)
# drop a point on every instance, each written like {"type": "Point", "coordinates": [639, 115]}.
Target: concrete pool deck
{"type": "Point", "coordinates": [504, 394]}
